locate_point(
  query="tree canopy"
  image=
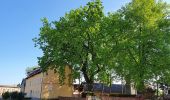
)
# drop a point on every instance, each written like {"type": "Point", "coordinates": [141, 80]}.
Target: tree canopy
{"type": "Point", "coordinates": [144, 40]}
{"type": "Point", "coordinates": [132, 43]}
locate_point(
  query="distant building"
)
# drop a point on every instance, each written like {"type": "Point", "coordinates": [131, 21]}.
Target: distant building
{"type": "Point", "coordinates": [39, 85]}
{"type": "Point", "coordinates": [8, 88]}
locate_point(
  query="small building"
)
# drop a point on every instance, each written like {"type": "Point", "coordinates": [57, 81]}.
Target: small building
{"type": "Point", "coordinates": [8, 88]}
{"type": "Point", "coordinates": [39, 85]}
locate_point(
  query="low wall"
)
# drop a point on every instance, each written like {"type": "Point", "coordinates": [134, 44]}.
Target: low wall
{"type": "Point", "coordinates": [121, 98]}
{"type": "Point", "coordinates": [71, 98]}
{"type": "Point", "coordinates": [100, 98]}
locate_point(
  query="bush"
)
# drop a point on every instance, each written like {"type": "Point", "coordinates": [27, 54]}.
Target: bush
{"type": "Point", "coordinates": [13, 95]}
{"type": "Point", "coordinates": [6, 95]}
{"type": "Point", "coordinates": [21, 95]}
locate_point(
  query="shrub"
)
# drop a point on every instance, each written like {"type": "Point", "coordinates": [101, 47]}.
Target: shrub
{"type": "Point", "coordinates": [21, 96]}
{"type": "Point", "coordinates": [13, 95]}
{"type": "Point", "coordinates": [6, 95]}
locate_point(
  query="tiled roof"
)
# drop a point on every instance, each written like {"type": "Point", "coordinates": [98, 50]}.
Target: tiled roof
{"type": "Point", "coordinates": [35, 72]}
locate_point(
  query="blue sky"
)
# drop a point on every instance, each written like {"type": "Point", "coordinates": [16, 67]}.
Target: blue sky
{"type": "Point", "coordinates": [20, 23]}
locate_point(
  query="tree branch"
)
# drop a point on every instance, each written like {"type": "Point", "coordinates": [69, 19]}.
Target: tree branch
{"type": "Point", "coordinates": [132, 56]}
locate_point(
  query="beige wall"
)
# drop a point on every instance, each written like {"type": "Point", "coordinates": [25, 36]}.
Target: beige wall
{"type": "Point", "coordinates": [33, 86]}
{"type": "Point", "coordinates": [51, 87]}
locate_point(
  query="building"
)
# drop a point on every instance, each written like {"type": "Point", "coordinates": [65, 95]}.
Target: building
{"type": "Point", "coordinates": [8, 88]}
{"type": "Point", "coordinates": [23, 86]}
{"type": "Point", "coordinates": [39, 85]}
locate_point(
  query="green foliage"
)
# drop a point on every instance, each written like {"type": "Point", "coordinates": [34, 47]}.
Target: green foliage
{"type": "Point", "coordinates": [131, 43]}
{"type": "Point", "coordinates": [13, 95]}
{"type": "Point", "coordinates": [143, 41]}
{"type": "Point", "coordinates": [6, 95]}
{"type": "Point", "coordinates": [75, 40]}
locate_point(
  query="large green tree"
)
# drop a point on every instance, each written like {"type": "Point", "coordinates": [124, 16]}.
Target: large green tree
{"type": "Point", "coordinates": [143, 41]}
{"type": "Point", "coordinates": [132, 43]}
{"type": "Point", "coordinates": [76, 40]}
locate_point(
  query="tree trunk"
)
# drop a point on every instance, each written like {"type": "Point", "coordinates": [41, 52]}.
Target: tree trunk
{"type": "Point", "coordinates": [89, 81]}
